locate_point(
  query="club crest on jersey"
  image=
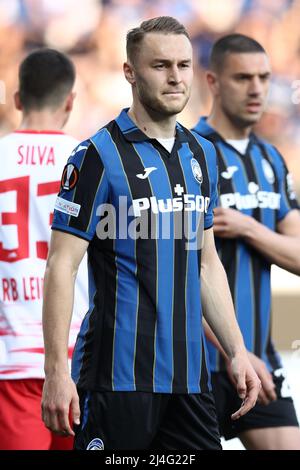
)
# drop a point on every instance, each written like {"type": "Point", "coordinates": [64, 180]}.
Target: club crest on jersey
{"type": "Point", "coordinates": [96, 444]}
{"type": "Point", "coordinates": [268, 171]}
{"type": "Point", "coordinates": [196, 171]}
{"type": "Point", "coordinates": [69, 177]}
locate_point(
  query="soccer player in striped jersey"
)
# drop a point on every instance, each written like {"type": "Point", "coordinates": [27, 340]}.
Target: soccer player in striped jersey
{"type": "Point", "coordinates": [138, 195]}
{"type": "Point", "coordinates": [257, 224]}
{"type": "Point", "coordinates": [31, 162]}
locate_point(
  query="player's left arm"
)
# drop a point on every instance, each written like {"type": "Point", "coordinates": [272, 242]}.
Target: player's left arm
{"type": "Point", "coordinates": [217, 303]}
{"type": "Point", "coordinates": [218, 311]}
{"type": "Point", "coordinates": [267, 392]}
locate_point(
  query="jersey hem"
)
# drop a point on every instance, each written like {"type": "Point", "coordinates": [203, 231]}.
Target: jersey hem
{"type": "Point", "coordinates": [158, 389]}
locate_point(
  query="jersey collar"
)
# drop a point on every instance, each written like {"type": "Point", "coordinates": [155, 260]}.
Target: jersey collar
{"type": "Point", "coordinates": [34, 131]}
{"type": "Point", "coordinates": [133, 134]}
{"type": "Point", "coordinates": [204, 129]}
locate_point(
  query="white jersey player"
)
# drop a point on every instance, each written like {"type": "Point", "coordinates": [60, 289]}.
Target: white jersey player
{"type": "Point", "coordinates": [31, 161]}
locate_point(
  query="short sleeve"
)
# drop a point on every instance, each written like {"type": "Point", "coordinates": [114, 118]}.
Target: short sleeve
{"type": "Point", "coordinates": [212, 167]}
{"type": "Point", "coordinates": [288, 199]}
{"type": "Point", "coordinates": [84, 188]}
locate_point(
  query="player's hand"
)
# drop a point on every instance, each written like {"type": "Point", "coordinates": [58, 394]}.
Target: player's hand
{"type": "Point", "coordinates": [247, 383]}
{"type": "Point", "coordinates": [59, 399]}
{"type": "Point", "coordinates": [230, 223]}
{"type": "Point", "coordinates": [267, 392]}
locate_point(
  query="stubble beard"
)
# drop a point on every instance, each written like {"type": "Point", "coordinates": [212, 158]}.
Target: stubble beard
{"type": "Point", "coordinates": [158, 106]}
{"type": "Point", "coordinates": [241, 121]}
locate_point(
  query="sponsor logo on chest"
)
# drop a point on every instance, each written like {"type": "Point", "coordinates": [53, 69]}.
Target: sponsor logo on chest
{"type": "Point", "coordinates": [255, 198]}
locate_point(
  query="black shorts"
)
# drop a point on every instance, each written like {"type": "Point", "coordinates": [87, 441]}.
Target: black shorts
{"type": "Point", "coordinates": [142, 420]}
{"type": "Point", "coordinates": [278, 413]}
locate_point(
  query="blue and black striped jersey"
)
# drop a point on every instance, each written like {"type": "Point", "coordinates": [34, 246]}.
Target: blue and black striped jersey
{"type": "Point", "coordinates": [143, 330]}
{"type": "Point", "coordinates": [257, 184]}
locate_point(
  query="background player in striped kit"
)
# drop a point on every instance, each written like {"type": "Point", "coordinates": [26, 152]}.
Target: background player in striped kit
{"type": "Point", "coordinates": [257, 224]}
{"type": "Point", "coordinates": [140, 362]}
{"type": "Point", "coordinates": [32, 159]}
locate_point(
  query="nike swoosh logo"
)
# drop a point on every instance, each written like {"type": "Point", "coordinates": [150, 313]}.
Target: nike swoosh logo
{"type": "Point", "coordinates": [147, 173]}
{"type": "Point", "coordinates": [229, 173]}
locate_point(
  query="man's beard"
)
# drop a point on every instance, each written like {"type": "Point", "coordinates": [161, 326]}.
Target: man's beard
{"type": "Point", "coordinates": [157, 106]}
{"type": "Point", "coordinates": [241, 121]}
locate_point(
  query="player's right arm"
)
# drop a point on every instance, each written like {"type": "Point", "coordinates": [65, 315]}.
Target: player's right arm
{"type": "Point", "coordinates": [59, 393]}
{"type": "Point", "coordinates": [84, 188]}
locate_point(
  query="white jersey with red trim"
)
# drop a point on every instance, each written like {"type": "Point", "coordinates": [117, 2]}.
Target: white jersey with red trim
{"type": "Point", "coordinates": [31, 166]}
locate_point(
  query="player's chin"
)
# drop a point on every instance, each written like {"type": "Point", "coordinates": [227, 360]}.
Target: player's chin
{"type": "Point", "coordinates": [251, 118]}
{"type": "Point", "coordinates": [176, 107]}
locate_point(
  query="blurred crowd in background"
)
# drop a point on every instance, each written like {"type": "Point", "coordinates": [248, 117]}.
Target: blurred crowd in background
{"type": "Point", "coordinates": [93, 33]}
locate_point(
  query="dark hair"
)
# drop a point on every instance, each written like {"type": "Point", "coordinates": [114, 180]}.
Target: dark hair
{"type": "Point", "coordinates": [46, 76]}
{"type": "Point", "coordinates": [232, 44]}
{"type": "Point", "coordinates": [161, 24]}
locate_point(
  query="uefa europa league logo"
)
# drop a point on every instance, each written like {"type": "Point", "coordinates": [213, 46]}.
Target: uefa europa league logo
{"type": "Point", "coordinates": [70, 169]}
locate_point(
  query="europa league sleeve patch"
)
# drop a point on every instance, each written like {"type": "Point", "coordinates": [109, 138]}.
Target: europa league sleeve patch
{"type": "Point", "coordinates": [69, 177]}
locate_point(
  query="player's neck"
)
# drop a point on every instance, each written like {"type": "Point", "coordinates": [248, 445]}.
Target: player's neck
{"type": "Point", "coordinates": [225, 127]}
{"type": "Point", "coordinates": [153, 124]}
{"type": "Point", "coordinates": [42, 120]}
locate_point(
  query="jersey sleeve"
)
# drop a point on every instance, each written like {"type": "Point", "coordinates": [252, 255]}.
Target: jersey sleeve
{"type": "Point", "coordinates": [211, 158]}
{"type": "Point", "coordinates": [84, 187]}
{"type": "Point", "coordinates": [288, 199]}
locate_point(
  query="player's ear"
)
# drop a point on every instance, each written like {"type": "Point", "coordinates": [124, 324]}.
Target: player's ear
{"type": "Point", "coordinates": [70, 101]}
{"type": "Point", "coordinates": [213, 82]}
{"type": "Point", "coordinates": [129, 72]}
{"type": "Point", "coordinates": [17, 101]}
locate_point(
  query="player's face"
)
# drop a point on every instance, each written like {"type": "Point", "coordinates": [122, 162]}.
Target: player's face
{"type": "Point", "coordinates": [243, 87]}
{"type": "Point", "coordinates": [164, 72]}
